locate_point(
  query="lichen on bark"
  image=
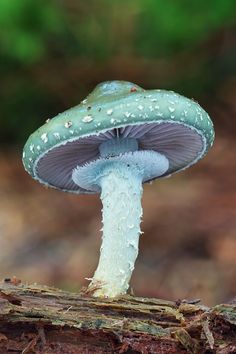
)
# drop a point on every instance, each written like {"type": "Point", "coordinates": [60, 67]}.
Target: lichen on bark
{"type": "Point", "coordinates": [40, 319]}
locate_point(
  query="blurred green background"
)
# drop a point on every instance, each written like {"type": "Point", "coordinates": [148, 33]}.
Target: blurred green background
{"type": "Point", "coordinates": [52, 54]}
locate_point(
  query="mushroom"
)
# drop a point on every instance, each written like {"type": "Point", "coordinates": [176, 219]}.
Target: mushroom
{"type": "Point", "coordinates": [119, 137]}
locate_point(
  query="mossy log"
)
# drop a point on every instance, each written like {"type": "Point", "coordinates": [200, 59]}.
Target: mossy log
{"type": "Point", "coordinates": [40, 319]}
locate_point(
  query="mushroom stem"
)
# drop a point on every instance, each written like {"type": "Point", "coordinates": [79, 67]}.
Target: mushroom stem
{"type": "Point", "coordinates": [121, 186]}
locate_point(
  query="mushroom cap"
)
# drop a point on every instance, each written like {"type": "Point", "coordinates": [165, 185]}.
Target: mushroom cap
{"type": "Point", "coordinates": [160, 120]}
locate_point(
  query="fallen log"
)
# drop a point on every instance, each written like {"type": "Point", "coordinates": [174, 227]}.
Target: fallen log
{"type": "Point", "coordinates": [40, 319]}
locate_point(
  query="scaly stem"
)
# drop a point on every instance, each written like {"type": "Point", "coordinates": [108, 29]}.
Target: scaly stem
{"type": "Point", "coordinates": [119, 173]}
{"type": "Point", "coordinates": [121, 197]}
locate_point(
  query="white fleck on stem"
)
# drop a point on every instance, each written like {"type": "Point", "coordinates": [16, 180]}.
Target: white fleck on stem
{"type": "Point", "coordinates": [121, 197]}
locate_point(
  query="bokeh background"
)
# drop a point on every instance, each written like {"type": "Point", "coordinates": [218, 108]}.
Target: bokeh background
{"type": "Point", "coordinates": [52, 54]}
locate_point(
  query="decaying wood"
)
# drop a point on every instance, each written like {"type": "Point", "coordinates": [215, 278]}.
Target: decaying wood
{"type": "Point", "coordinates": [39, 319]}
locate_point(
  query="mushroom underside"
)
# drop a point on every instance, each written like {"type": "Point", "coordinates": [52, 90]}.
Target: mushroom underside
{"type": "Point", "coordinates": [180, 144]}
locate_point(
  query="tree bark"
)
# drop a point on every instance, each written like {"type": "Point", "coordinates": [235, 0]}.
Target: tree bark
{"type": "Point", "coordinates": [40, 319]}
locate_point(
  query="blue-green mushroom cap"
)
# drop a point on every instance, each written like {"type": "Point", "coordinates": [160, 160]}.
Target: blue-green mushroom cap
{"type": "Point", "coordinates": [161, 121]}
